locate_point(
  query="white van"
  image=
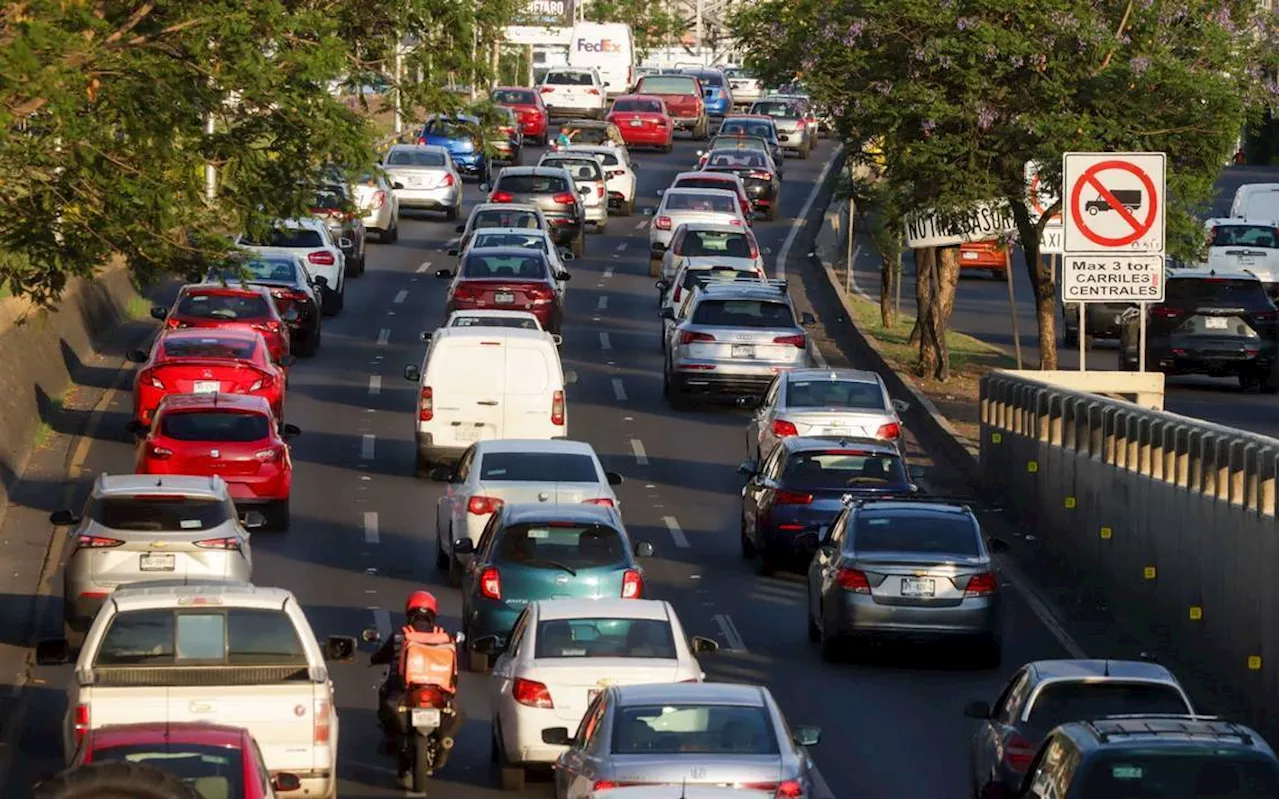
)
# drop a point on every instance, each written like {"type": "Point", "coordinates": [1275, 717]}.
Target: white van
{"type": "Point", "coordinates": [1257, 201]}
{"type": "Point", "coordinates": [482, 383]}
{"type": "Point", "coordinates": [607, 46]}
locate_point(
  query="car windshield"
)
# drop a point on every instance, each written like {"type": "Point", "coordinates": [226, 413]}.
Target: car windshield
{"type": "Point", "coordinates": [531, 184]}
{"type": "Point", "coordinates": [843, 469]}
{"type": "Point", "coordinates": [668, 84]}
{"type": "Point", "coordinates": [421, 157]}
{"type": "Point", "coordinates": [523, 323]}
{"type": "Point", "coordinates": [1194, 292]}
{"type": "Point", "coordinates": [854, 394]}
{"type": "Point", "coordinates": [328, 200]}
{"type": "Point", "coordinates": [232, 637]}
{"type": "Point", "coordinates": [1179, 774]}
{"type": "Point", "coordinates": [715, 242]}
{"type": "Point", "coordinates": [538, 467]}
{"type": "Point", "coordinates": [228, 307]}
{"type": "Point", "coordinates": [1060, 702]}
{"type": "Point", "coordinates": [777, 110]}
{"type": "Point", "coordinates": [605, 638]}
{"type": "Point", "coordinates": [488, 218]}
{"type": "Point", "coordinates": [515, 97]}
{"type": "Point", "coordinates": [706, 203]}
{"type": "Point", "coordinates": [229, 426]}
{"type": "Point", "coordinates": [276, 270]}
{"type": "Point", "coordinates": [693, 277]}
{"type": "Point", "coordinates": [764, 130]}
{"type": "Point", "coordinates": [216, 772]}
{"type": "Point", "coordinates": [447, 129]}
{"type": "Point", "coordinates": [505, 267]}
{"type": "Point", "coordinates": [695, 729]}
{"type": "Point", "coordinates": [1263, 236]}
{"type": "Point", "coordinates": [209, 348]}
{"type": "Point", "coordinates": [569, 79]}
{"type": "Point", "coordinates": [905, 531]}
{"type": "Point", "coordinates": [159, 512]}
{"type": "Point", "coordinates": [579, 168]}
{"type": "Point", "coordinates": [561, 544]}
{"type": "Point", "coordinates": [638, 106]}
{"type": "Point", "coordinates": [286, 238]}
{"type": "Point", "coordinates": [522, 241]}
{"type": "Point", "coordinates": [743, 313]}
{"type": "Point", "coordinates": [709, 78]}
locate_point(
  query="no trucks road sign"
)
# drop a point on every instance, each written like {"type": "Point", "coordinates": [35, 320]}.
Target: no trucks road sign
{"type": "Point", "coordinates": [1115, 203]}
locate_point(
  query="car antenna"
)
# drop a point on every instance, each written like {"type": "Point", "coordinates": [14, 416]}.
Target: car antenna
{"type": "Point", "coordinates": [683, 784]}
{"type": "Point", "coordinates": [1106, 668]}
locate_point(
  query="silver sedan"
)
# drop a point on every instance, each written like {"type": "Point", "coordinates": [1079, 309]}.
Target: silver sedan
{"type": "Point", "coordinates": [699, 734]}
{"type": "Point", "coordinates": [424, 176]}
{"type": "Point", "coordinates": [378, 206]}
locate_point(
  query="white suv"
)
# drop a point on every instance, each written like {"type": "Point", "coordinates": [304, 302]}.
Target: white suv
{"type": "Point", "coordinates": [574, 93]}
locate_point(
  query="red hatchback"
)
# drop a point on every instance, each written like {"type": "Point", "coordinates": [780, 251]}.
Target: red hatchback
{"type": "Point", "coordinates": [233, 436]}
{"type": "Point", "coordinates": [643, 121]}
{"type": "Point", "coordinates": [207, 362]}
{"type": "Point", "coordinates": [529, 109]}
{"type": "Point", "coordinates": [238, 308]}
{"type": "Point", "coordinates": [506, 279]}
{"type": "Point", "coordinates": [218, 762]}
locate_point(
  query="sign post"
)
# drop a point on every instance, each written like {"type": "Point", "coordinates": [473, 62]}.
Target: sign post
{"type": "Point", "coordinates": [1113, 234]}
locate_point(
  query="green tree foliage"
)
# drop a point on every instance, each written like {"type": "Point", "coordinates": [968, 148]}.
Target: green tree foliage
{"type": "Point", "coordinates": [104, 107]}
{"type": "Point", "coordinates": [964, 92]}
{"type": "Point", "coordinates": [652, 22]}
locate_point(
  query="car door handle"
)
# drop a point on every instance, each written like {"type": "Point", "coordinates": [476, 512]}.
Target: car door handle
{"type": "Point", "coordinates": [487, 402]}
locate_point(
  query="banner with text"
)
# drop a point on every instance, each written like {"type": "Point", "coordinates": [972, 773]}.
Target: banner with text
{"type": "Point", "coordinates": [983, 222]}
{"type": "Point", "coordinates": [545, 13]}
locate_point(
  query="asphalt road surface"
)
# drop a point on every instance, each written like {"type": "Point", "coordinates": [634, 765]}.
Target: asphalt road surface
{"type": "Point", "coordinates": [891, 727]}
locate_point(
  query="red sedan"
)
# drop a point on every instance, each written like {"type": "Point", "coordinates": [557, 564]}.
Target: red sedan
{"type": "Point", "coordinates": [232, 436]}
{"type": "Point", "coordinates": [206, 362]}
{"type": "Point", "coordinates": [239, 308]}
{"type": "Point", "coordinates": [643, 120]}
{"type": "Point", "coordinates": [506, 279]}
{"type": "Point", "coordinates": [217, 761]}
{"type": "Point", "coordinates": [529, 109]}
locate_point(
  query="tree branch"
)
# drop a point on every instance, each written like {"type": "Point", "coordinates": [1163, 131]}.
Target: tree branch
{"type": "Point", "coordinates": [1124, 20]}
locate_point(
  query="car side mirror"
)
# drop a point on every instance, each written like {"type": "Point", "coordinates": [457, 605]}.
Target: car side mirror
{"type": "Point", "coordinates": [425, 336]}
{"type": "Point", "coordinates": [806, 736]}
{"type": "Point", "coordinates": [136, 428]}
{"type": "Point", "coordinates": [700, 153]}
{"type": "Point", "coordinates": [340, 648]}
{"type": "Point", "coordinates": [901, 406]}
{"type": "Point", "coordinates": [286, 360]}
{"type": "Point", "coordinates": [747, 468]}
{"type": "Point", "coordinates": [667, 313]}
{"type": "Point", "coordinates": [915, 472]}
{"type": "Point", "coordinates": [567, 256]}
{"type": "Point", "coordinates": [290, 315]}
{"type": "Point", "coordinates": [321, 281]}
{"type": "Point", "coordinates": [488, 645]}
{"type": "Point", "coordinates": [54, 652]}
{"type": "Point", "coordinates": [556, 736]}
{"type": "Point", "coordinates": [644, 550]}
{"type": "Point", "coordinates": [460, 229]}
{"type": "Point", "coordinates": [370, 636]}
{"type": "Point", "coordinates": [412, 374]}
{"type": "Point", "coordinates": [661, 192]}
{"type": "Point", "coordinates": [464, 546]}
{"type": "Point", "coordinates": [584, 190]}
{"type": "Point", "coordinates": [63, 518]}
{"type": "Point", "coordinates": [485, 187]}
{"type": "Point", "coordinates": [997, 545]}
{"type": "Point", "coordinates": [807, 319]}
{"type": "Point", "coordinates": [136, 356]}
{"type": "Point", "coordinates": [662, 286]}
{"type": "Point", "coordinates": [570, 377]}
{"type": "Point", "coordinates": [564, 276]}
{"type": "Point", "coordinates": [658, 246]}
{"type": "Point", "coordinates": [291, 430]}
{"type": "Point", "coordinates": [614, 478]}
{"type": "Point", "coordinates": [442, 474]}
{"type": "Point", "coordinates": [254, 520]}
{"type": "Point", "coordinates": [444, 274]}
{"type": "Point", "coordinates": [285, 782]}
{"type": "Point", "coordinates": [397, 186]}
{"type": "Point", "coordinates": [557, 339]}
{"type": "Point", "coordinates": [345, 243]}
{"type": "Point", "coordinates": [977, 710]}
{"type": "Point", "coordinates": [159, 313]}
{"type": "Point", "coordinates": [647, 212]}
{"type": "Point", "coordinates": [451, 251]}
{"type": "Point", "coordinates": [703, 646]}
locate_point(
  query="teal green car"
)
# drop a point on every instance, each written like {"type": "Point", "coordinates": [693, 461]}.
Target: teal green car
{"type": "Point", "coordinates": [529, 552]}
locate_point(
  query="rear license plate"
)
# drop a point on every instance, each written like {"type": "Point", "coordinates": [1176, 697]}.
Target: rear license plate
{"type": "Point", "coordinates": [915, 586]}
{"type": "Point", "coordinates": [836, 431]}
{"type": "Point", "coordinates": [504, 298]}
{"type": "Point", "coordinates": [969, 256]}
{"type": "Point", "coordinates": [1244, 260]}
{"type": "Point", "coordinates": [635, 123]}
{"type": "Point", "coordinates": [207, 387]}
{"type": "Point", "coordinates": [156, 562]}
{"type": "Point", "coordinates": [744, 351]}
{"type": "Point", "coordinates": [466, 434]}
{"type": "Point", "coordinates": [1215, 323]}
{"type": "Point", "coordinates": [425, 717]}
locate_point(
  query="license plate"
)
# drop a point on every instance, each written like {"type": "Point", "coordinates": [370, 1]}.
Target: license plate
{"type": "Point", "coordinates": [1215, 323]}
{"type": "Point", "coordinates": [744, 351]}
{"type": "Point", "coordinates": [425, 717]}
{"type": "Point", "coordinates": [635, 123]}
{"type": "Point", "coordinates": [207, 387]}
{"type": "Point", "coordinates": [836, 431]}
{"type": "Point", "coordinates": [466, 434]}
{"type": "Point", "coordinates": [969, 256]}
{"type": "Point", "coordinates": [156, 562]}
{"type": "Point", "coordinates": [504, 298]}
{"type": "Point", "coordinates": [1244, 260]}
{"type": "Point", "coordinates": [915, 586]}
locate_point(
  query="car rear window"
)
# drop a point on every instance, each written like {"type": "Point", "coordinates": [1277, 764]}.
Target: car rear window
{"type": "Point", "coordinates": [694, 277]}
{"type": "Point", "coordinates": [668, 84]}
{"type": "Point", "coordinates": [509, 267]}
{"type": "Point", "coordinates": [1060, 702]}
{"type": "Point", "coordinates": [159, 513]}
{"type": "Point", "coordinates": [415, 158]}
{"type": "Point", "coordinates": [587, 134]}
{"type": "Point", "coordinates": [523, 241]}
{"type": "Point", "coordinates": [843, 469]}
{"type": "Point", "coordinates": [1179, 774]}
{"type": "Point", "coordinates": [328, 199]}
{"type": "Point", "coordinates": [579, 168]}
{"type": "Point", "coordinates": [709, 78]}
{"type": "Point", "coordinates": [1220, 292]}
{"type": "Point", "coordinates": [1263, 236]}
{"type": "Point", "coordinates": [228, 307]}
{"type": "Point", "coordinates": [740, 158]}
{"type": "Point", "coordinates": [276, 270]}
{"type": "Point", "coordinates": [286, 238]}
{"type": "Point", "coordinates": [695, 729]}
{"type": "Point", "coordinates": [714, 242]}
{"type": "Point", "coordinates": [532, 184]}
{"type": "Point", "coordinates": [747, 128]}
{"type": "Point", "coordinates": [743, 313]}
{"type": "Point", "coordinates": [928, 533]}
{"type": "Point", "coordinates": [515, 97]}
{"type": "Point", "coordinates": [538, 467]}
{"type": "Point", "coordinates": [560, 544]}
{"type": "Point", "coordinates": [231, 637]}
{"type": "Point", "coordinates": [489, 217]}
{"type": "Point", "coordinates": [605, 638]}
{"type": "Point", "coordinates": [707, 203]}
{"type": "Point", "coordinates": [569, 79]}
{"type": "Point", "coordinates": [777, 110]}
{"type": "Point", "coordinates": [228, 426]}
{"type": "Point", "coordinates": [447, 129]}
{"type": "Point", "coordinates": [638, 106]}
{"type": "Point", "coordinates": [210, 348]}
{"type": "Point", "coordinates": [738, 72]}
{"type": "Point", "coordinates": [854, 394]}
{"type": "Point", "coordinates": [495, 321]}
{"type": "Point", "coordinates": [214, 771]}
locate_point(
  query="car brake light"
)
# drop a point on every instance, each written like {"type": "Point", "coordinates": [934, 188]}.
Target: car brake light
{"type": "Point", "coordinates": [545, 90]}
{"type": "Point", "coordinates": [530, 693]}
{"type": "Point", "coordinates": [270, 455]}
{"type": "Point", "coordinates": [662, 223]}
{"type": "Point", "coordinates": [795, 341]}
{"type": "Point", "coordinates": [499, 197]}
{"type": "Point", "coordinates": [736, 222]}
{"type": "Point", "coordinates": [1017, 753]}
{"type": "Point", "coordinates": [675, 297]}
{"type": "Point", "coordinates": [689, 337]}
{"type": "Point", "coordinates": [593, 92]}
{"type": "Point", "coordinates": [632, 584]}
{"type": "Point", "coordinates": [604, 502]}
{"type": "Point", "coordinates": [789, 790]}
{"type": "Point", "coordinates": [81, 722]}
{"type": "Point", "coordinates": [379, 199]}
{"type": "Point", "coordinates": [426, 405]}
{"type": "Point", "coordinates": [1165, 312]}
{"type": "Point", "coordinates": [557, 409]}
{"type": "Point", "coordinates": [981, 585]}
{"type": "Point", "coordinates": [321, 258]}
{"type": "Point", "coordinates": [320, 725]}
{"type": "Point", "coordinates": [603, 785]}
{"type": "Point", "coordinates": [792, 498]}
{"type": "Point", "coordinates": [230, 543]}
{"type": "Point", "coordinates": [449, 181]}
{"type": "Point", "coordinates": [1265, 316]}
{"type": "Point", "coordinates": [760, 176]}
{"type": "Point", "coordinates": [96, 542]}
{"type": "Point", "coordinates": [853, 580]}
{"type": "Point", "coordinates": [480, 505]}
{"type": "Point", "coordinates": [600, 190]}
{"type": "Point", "coordinates": [162, 453]}
{"type": "Point", "coordinates": [782, 428]}
{"type": "Point", "coordinates": [491, 584]}
{"type": "Point", "coordinates": [890, 432]}
{"type": "Point", "coordinates": [563, 198]}
{"type": "Point", "coordinates": [465, 292]}
{"type": "Point", "coordinates": [149, 377]}
{"type": "Point", "coordinates": [755, 247]}
{"type": "Point", "coordinates": [540, 293]}
{"type": "Point", "coordinates": [265, 384]}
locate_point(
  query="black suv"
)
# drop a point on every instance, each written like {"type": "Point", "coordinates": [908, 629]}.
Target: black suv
{"type": "Point", "coordinates": [1211, 323]}
{"type": "Point", "coordinates": [553, 191]}
{"type": "Point", "coordinates": [333, 203]}
{"type": "Point", "coordinates": [1161, 757]}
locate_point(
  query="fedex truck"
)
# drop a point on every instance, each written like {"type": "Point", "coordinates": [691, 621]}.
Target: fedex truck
{"type": "Point", "coordinates": [609, 48]}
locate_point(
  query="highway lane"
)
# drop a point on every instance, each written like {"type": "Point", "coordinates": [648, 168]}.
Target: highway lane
{"type": "Point", "coordinates": [982, 310]}
{"type": "Point", "coordinates": [363, 529]}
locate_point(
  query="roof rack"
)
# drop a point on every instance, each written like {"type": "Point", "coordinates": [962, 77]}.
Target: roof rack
{"type": "Point", "coordinates": [1131, 725]}
{"type": "Point", "coordinates": [777, 284]}
{"type": "Point", "coordinates": [964, 503]}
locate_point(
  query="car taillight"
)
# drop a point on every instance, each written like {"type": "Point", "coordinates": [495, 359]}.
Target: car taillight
{"type": "Point", "coordinates": [490, 584]}
{"type": "Point", "coordinates": [600, 190]}
{"type": "Point", "coordinates": [1265, 316]}
{"type": "Point", "coordinates": [229, 543]}
{"type": "Point", "coordinates": [449, 181]}
{"type": "Point", "coordinates": [557, 408]}
{"type": "Point", "coordinates": [853, 580]}
{"type": "Point", "coordinates": [545, 90]}
{"type": "Point", "coordinates": [795, 341]}
{"type": "Point", "coordinates": [782, 428]}
{"type": "Point", "coordinates": [617, 173]}
{"type": "Point", "coordinates": [1017, 753]}
{"type": "Point", "coordinates": [981, 585]}
{"type": "Point", "coordinates": [499, 197]}
{"type": "Point", "coordinates": [379, 199]}
{"type": "Point", "coordinates": [161, 453]}
{"type": "Point", "coordinates": [593, 92]}
{"type": "Point", "coordinates": [603, 785]}
{"type": "Point", "coordinates": [96, 542]}
{"type": "Point", "coordinates": [426, 405]}
{"type": "Point", "coordinates": [81, 722]}
{"type": "Point", "coordinates": [150, 378]}
{"type": "Point", "coordinates": [736, 222]}
{"type": "Point", "coordinates": [270, 455]}
{"type": "Point", "coordinates": [675, 297]}
{"type": "Point", "coordinates": [563, 198]}
{"type": "Point", "coordinates": [662, 223]}
{"type": "Point", "coordinates": [890, 432]}
{"type": "Point", "coordinates": [632, 584]}
{"type": "Point", "coordinates": [530, 693]}
{"type": "Point", "coordinates": [755, 248]}
{"type": "Point", "coordinates": [789, 790]}
{"type": "Point", "coordinates": [601, 501]}
{"type": "Point", "coordinates": [465, 292]}
{"type": "Point", "coordinates": [540, 293]}
{"type": "Point", "coordinates": [760, 176]}
{"type": "Point", "coordinates": [321, 258]}
{"type": "Point", "coordinates": [174, 324]}
{"type": "Point", "coordinates": [1165, 312]}
{"type": "Point", "coordinates": [320, 725]}
{"type": "Point", "coordinates": [688, 337]}
{"type": "Point", "coordinates": [792, 498]}
{"type": "Point", "coordinates": [482, 505]}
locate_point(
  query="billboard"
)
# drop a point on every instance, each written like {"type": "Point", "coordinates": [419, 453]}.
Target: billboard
{"type": "Point", "coordinates": [546, 13]}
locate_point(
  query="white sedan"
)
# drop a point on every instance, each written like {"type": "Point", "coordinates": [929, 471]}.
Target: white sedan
{"type": "Point", "coordinates": [562, 653]}
{"type": "Point", "coordinates": [619, 174]}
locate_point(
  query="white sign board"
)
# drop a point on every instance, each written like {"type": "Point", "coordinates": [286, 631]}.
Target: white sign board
{"type": "Point", "coordinates": [530, 34]}
{"type": "Point", "coordinates": [1051, 240]}
{"type": "Point", "coordinates": [983, 222]}
{"type": "Point", "coordinates": [1112, 278]}
{"type": "Point", "coordinates": [1114, 203]}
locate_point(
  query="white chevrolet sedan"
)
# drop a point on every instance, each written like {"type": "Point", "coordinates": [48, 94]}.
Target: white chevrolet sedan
{"type": "Point", "coordinates": [562, 653]}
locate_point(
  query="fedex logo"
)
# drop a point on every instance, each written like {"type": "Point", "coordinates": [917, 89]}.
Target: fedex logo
{"type": "Point", "coordinates": [602, 46]}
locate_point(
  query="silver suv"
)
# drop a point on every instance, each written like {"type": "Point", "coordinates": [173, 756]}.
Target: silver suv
{"type": "Point", "coordinates": [730, 338]}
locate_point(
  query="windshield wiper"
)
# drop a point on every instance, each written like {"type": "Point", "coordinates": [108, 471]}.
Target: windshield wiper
{"type": "Point", "coordinates": [552, 563]}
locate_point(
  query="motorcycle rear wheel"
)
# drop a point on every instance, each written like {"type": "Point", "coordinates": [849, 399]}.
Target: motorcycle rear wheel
{"type": "Point", "coordinates": [422, 762]}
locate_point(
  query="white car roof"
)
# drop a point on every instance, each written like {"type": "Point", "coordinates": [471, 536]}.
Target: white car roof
{"type": "Point", "coordinates": [494, 332]}
{"type": "Point", "coordinates": [169, 485]}
{"type": "Point", "coordinates": [311, 223]}
{"type": "Point", "coordinates": [698, 173]}
{"type": "Point", "coordinates": [1207, 272]}
{"type": "Point", "coordinates": [560, 445]}
{"type": "Point", "coordinates": [554, 609]}
{"type": "Point", "coordinates": [682, 792]}
{"type": "Point", "coordinates": [1227, 221]}
{"type": "Point", "coordinates": [529, 207]}
{"type": "Point", "coordinates": [714, 227]}
{"type": "Point", "coordinates": [435, 148]}
{"type": "Point", "coordinates": [487, 313]}
{"type": "Point", "coordinates": [173, 593]}
{"type": "Point", "coordinates": [725, 192]}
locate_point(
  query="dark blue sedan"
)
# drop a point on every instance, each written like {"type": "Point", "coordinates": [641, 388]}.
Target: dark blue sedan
{"type": "Point", "coordinates": [460, 135]}
{"type": "Point", "coordinates": [791, 498]}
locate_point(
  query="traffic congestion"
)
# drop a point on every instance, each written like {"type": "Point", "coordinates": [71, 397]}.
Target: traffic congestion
{"type": "Point", "coordinates": [522, 470]}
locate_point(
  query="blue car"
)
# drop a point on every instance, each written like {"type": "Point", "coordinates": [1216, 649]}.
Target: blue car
{"type": "Point", "coordinates": [792, 497]}
{"type": "Point", "coordinates": [717, 96]}
{"type": "Point", "coordinates": [456, 134]}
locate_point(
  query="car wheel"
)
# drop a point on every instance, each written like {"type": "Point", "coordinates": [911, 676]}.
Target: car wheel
{"type": "Point", "coordinates": [624, 208]}
{"type": "Point", "coordinates": [510, 776]}
{"type": "Point", "coordinates": [279, 515]}
{"type": "Point", "coordinates": [308, 346]}
{"type": "Point", "coordinates": [804, 152]}
{"type": "Point", "coordinates": [815, 635]}
{"type": "Point", "coordinates": [451, 214]}
{"type": "Point", "coordinates": [601, 227]}
{"type": "Point", "coordinates": [997, 274]}
{"type": "Point", "coordinates": [829, 646]}
{"type": "Point", "coordinates": [392, 235]}
{"type": "Point", "coordinates": [341, 300]}
{"type": "Point", "coordinates": [1069, 337]}
{"type": "Point", "coordinates": [477, 662]}
{"type": "Point", "coordinates": [455, 572]}
{"type": "Point", "coordinates": [748, 550]}
{"type": "Point", "coordinates": [667, 148]}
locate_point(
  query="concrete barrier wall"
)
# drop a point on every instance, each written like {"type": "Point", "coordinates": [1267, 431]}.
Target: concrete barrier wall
{"type": "Point", "coordinates": [1176, 519]}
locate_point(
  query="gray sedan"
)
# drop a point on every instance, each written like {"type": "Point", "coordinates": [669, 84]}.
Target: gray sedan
{"type": "Point", "coordinates": [424, 176]}
{"type": "Point", "coordinates": [699, 734]}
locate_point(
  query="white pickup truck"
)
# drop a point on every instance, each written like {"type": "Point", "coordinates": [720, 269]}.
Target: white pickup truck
{"type": "Point", "coordinates": [224, 653]}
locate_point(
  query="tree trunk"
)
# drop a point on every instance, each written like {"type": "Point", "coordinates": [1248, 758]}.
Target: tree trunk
{"type": "Point", "coordinates": [926, 274]}
{"type": "Point", "coordinates": [888, 276]}
{"type": "Point", "coordinates": [1043, 279]}
{"type": "Point", "coordinates": [946, 277]}
{"type": "Point", "coordinates": [924, 263]}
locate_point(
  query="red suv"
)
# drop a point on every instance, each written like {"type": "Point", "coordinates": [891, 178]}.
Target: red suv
{"type": "Point", "coordinates": [529, 109]}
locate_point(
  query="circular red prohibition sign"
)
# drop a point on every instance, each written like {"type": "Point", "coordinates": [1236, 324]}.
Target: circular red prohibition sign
{"type": "Point", "coordinates": [1090, 177]}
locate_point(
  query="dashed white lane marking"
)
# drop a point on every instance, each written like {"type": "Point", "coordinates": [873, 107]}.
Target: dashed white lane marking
{"type": "Point", "coordinates": [384, 335]}
{"type": "Point", "coordinates": [730, 630]}
{"type": "Point", "coordinates": [619, 392]}
{"type": "Point", "coordinates": [622, 246]}
{"type": "Point", "coordinates": [382, 622]}
{"type": "Point", "coordinates": [637, 449]}
{"type": "Point", "coordinates": [677, 534]}
{"type": "Point", "coordinates": [818, 357]}
{"type": "Point", "coordinates": [366, 446]}
{"type": "Point", "coordinates": [602, 303]}
{"type": "Point", "coordinates": [608, 272]}
{"type": "Point", "coordinates": [375, 384]}
{"type": "Point", "coordinates": [642, 224]}
{"type": "Point", "coordinates": [605, 344]}
{"type": "Point", "coordinates": [370, 527]}
{"type": "Point", "coordinates": [780, 265]}
{"type": "Point", "coordinates": [400, 296]}
{"type": "Point", "coordinates": [1010, 571]}
{"type": "Point", "coordinates": [423, 267]}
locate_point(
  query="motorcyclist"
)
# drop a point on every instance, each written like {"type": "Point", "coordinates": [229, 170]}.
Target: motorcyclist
{"type": "Point", "coordinates": [420, 610]}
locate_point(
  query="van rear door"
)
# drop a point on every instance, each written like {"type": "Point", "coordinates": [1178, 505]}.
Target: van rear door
{"type": "Point", "coordinates": [532, 376]}
{"type": "Point", "coordinates": [467, 378]}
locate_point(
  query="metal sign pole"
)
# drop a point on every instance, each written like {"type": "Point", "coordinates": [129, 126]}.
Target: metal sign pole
{"type": "Point", "coordinates": [848, 252]}
{"type": "Point", "coordinates": [1080, 334]}
{"type": "Point", "coordinates": [1142, 337]}
{"type": "Point", "coordinates": [1013, 310]}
